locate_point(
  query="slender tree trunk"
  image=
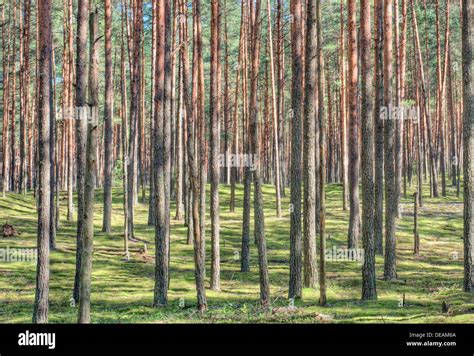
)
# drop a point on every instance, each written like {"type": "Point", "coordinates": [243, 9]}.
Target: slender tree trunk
{"type": "Point", "coordinates": [274, 114]}
{"type": "Point", "coordinates": [152, 203]}
{"type": "Point", "coordinates": [245, 248]}
{"type": "Point", "coordinates": [214, 111]}
{"type": "Point", "coordinates": [167, 129]}
{"type": "Point", "coordinates": [368, 243]}
{"type": "Point", "coordinates": [52, 154]}
{"type": "Point", "coordinates": [398, 143]}
{"type": "Point", "coordinates": [354, 159]}
{"type": "Point", "coordinates": [322, 162]}
{"type": "Point", "coordinates": [161, 240]}
{"type": "Point", "coordinates": [199, 254]}
{"type": "Point", "coordinates": [426, 106]}
{"type": "Point", "coordinates": [12, 102]}
{"type": "Point", "coordinates": [180, 114]}
{"type": "Point", "coordinates": [235, 128]}
{"type": "Point", "coordinates": [390, 271]}
{"type": "Point", "coordinates": [108, 113]}
{"type": "Point", "coordinates": [90, 173]}
{"type": "Point", "coordinates": [259, 218]}
{"type": "Point", "coordinates": [343, 106]}
{"type": "Point", "coordinates": [296, 260]}
{"type": "Point", "coordinates": [25, 93]}
{"type": "Point", "coordinates": [70, 133]}
{"type": "Point", "coordinates": [6, 87]}
{"type": "Point", "coordinates": [81, 130]}
{"type": "Point", "coordinates": [468, 140]}
{"type": "Point", "coordinates": [309, 143]}
{"type": "Point", "coordinates": [379, 128]}
{"type": "Point", "coordinates": [41, 305]}
{"type": "Point", "coordinates": [123, 92]}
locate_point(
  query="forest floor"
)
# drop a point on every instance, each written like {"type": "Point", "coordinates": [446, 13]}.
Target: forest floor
{"type": "Point", "coordinates": [122, 292]}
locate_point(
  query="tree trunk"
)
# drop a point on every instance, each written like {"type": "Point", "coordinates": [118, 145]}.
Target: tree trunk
{"type": "Point", "coordinates": [259, 219]}
{"type": "Point", "coordinates": [25, 93]}
{"type": "Point", "coordinates": [468, 147]}
{"type": "Point", "coordinates": [322, 162]}
{"type": "Point", "coordinates": [368, 268]}
{"type": "Point", "coordinates": [81, 129]}
{"type": "Point", "coordinates": [199, 254]}
{"type": "Point", "coordinates": [274, 114]}
{"type": "Point", "coordinates": [309, 169]}
{"type": "Point", "coordinates": [41, 305]}
{"type": "Point", "coordinates": [108, 114]}
{"type": "Point", "coordinates": [214, 112]}
{"type": "Point", "coordinates": [161, 239]}
{"type": "Point", "coordinates": [295, 287]}
{"type": "Point", "coordinates": [354, 159]}
{"type": "Point", "coordinates": [90, 173]}
{"type": "Point", "coordinates": [390, 271]}
{"type": "Point", "coordinates": [343, 105]}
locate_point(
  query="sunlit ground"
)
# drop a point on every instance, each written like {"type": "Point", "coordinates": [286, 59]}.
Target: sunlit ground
{"type": "Point", "coordinates": [123, 291]}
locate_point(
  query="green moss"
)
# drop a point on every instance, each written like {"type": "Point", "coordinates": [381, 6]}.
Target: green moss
{"type": "Point", "coordinates": [123, 291]}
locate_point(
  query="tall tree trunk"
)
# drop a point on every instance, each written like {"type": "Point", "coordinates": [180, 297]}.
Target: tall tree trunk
{"type": "Point", "coordinates": [468, 140]}
{"type": "Point", "coordinates": [379, 128]}
{"type": "Point", "coordinates": [343, 105]}
{"type": "Point", "coordinates": [368, 268]}
{"type": "Point", "coordinates": [398, 144]}
{"type": "Point", "coordinates": [12, 111]}
{"type": "Point", "coordinates": [235, 128]}
{"type": "Point", "coordinates": [70, 133]}
{"type": "Point", "coordinates": [245, 247]}
{"type": "Point", "coordinates": [152, 203]}
{"type": "Point", "coordinates": [259, 218]}
{"type": "Point", "coordinates": [25, 93]}
{"type": "Point", "coordinates": [123, 112]}
{"type": "Point", "coordinates": [134, 114]}
{"type": "Point", "coordinates": [161, 240]}
{"type": "Point", "coordinates": [41, 305]}
{"type": "Point", "coordinates": [52, 154]}
{"type": "Point", "coordinates": [322, 162]}
{"type": "Point", "coordinates": [426, 106]}
{"type": "Point", "coordinates": [90, 173]}
{"type": "Point", "coordinates": [180, 114]}
{"type": "Point", "coordinates": [214, 111]}
{"type": "Point", "coordinates": [309, 143]}
{"type": "Point", "coordinates": [390, 271]}
{"type": "Point", "coordinates": [81, 129]}
{"type": "Point", "coordinates": [108, 113]}
{"type": "Point", "coordinates": [295, 287]}
{"type": "Point", "coordinates": [274, 114]}
{"type": "Point", "coordinates": [191, 115]}
{"type": "Point", "coordinates": [354, 159]}
{"type": "Point", "coordinates": [6, 87]}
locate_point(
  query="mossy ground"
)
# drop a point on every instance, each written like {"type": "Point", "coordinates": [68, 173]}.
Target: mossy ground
{"type": "Point", "coordinates": [123, 291]}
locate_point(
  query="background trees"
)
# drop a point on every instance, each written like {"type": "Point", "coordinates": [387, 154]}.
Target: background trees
{"type": "Point", "coordinates": [178, 120]}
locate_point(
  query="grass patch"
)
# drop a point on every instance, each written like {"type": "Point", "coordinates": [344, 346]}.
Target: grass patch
{"type": "Point", "coordinates": [122, 292]}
